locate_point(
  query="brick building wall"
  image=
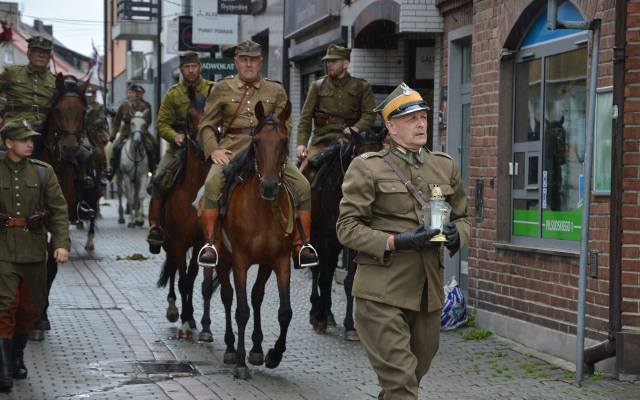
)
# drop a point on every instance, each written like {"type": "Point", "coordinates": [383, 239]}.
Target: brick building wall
{"type": "Point", "coordinates": [631, 168]}
{"type": "Point", "coordinates": [536, 285]}
{"type": "Point", "coordinates": [420, 16]}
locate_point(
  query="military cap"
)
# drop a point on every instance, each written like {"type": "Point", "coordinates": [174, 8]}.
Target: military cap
{"type": "Point", "coordinates": [189, 57]}
{"type": "Point", "coordinates": [139, 89]}
{"type": "Point", "coordinates": [403, 100]}
{"type": "Point", "coordinates": [248, 48]}
{"type": "Point", "coordinates": [40, 42]}
{"type": "Point", "coordinates": [335, 52]}
{"type": "Point", "coordinates": [17, 130]}
{"type": "Point", "coordinates": [90, 92]}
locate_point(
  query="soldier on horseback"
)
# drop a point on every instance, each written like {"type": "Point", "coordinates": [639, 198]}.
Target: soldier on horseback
{"type": "Point", "coordinates": [96, 125]}
{"type": "Point", "coordinates": [336, 103]}
{"type": "Point", "coordinates": [229, 112]}
{"type": "Point", "coordinates": [26, 92]}
{"type": "Point", "coordinates": [120, 129]}
{"type": "Point", "coordinates": [172, 127]}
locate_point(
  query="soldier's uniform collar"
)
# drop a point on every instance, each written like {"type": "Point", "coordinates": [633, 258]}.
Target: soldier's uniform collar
{"type": "Point", "coordinates": [411, 157]}
{"type": "Point", "coordinates": [195, 84]}
{"type": "Point", "coordinates": [15, 165]}
{"type": "Point", "coordinates": [32, 71]}
{"type": "Point", "coordinates": [341, 81]}
{"type": "Point", "coordinates": [241, 84]}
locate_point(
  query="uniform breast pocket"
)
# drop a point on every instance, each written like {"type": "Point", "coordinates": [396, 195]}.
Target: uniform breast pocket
{"type": "Point", "coordinates": [268, 103]}
{"type": "Point", "coordinates": [392, 197]}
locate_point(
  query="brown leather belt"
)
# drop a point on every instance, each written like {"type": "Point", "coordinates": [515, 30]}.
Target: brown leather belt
{"type": "Point", "coordinates": [29, 108]}
{"type": "Point", "coordinates": [240, 131]}
{"type": "Point", "coordinates": [16, 223]}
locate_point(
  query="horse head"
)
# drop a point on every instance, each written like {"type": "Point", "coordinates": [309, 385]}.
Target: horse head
{"type": "Point", "coordinates": [368, 140]}
{"type": "Point", "coordinates": [65, 121]}
{"type": "Point", "coordinates": [138, 125]}
{"type": "Point", "coordinates": [270, 144]}
{"type": "Point", "coordinates": [194, 111]}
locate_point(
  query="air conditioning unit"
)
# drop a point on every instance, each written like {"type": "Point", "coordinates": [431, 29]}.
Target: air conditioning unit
{"type": "Point", "coordinates": [136, 66]}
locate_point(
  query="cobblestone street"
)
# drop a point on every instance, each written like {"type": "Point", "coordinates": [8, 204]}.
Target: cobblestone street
{"type": "Point", "coordinates": [110, 340]}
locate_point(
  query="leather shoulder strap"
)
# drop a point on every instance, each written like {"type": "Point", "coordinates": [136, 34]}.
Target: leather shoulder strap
{"type": "Point", "coordinates": [235, 114]}
{"type": "Point", "coordinates": [404, 179]}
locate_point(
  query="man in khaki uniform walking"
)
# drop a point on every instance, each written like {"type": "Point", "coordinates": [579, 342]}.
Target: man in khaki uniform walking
{"type": "Point", "coordinates": [31, 202]}
{"type": "Point", "coordinates": [230, 108]}
{"type": "Point", "coordinates": [398, 283]}
{"type": "Point", "coordinates": [172, 127]}
{"type": "Point", "coordinates": [335, 103]}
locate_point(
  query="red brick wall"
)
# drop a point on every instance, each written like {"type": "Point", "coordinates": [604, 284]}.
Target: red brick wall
{"type": "Point", "coordinates": [536, 286]}
{"type": "Point", "coordinates": [631, 181]}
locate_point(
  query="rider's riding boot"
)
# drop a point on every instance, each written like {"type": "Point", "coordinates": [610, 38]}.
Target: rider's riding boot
{"type": "Point", "coordinates": [85, 212]}
{"type": "Point", "coordinates": [156, 233]}
{"type": "Point", "coordinates": [307, 255]}
{"type": "Point", "coordinates": [19, 343]}
{"type": "Point", "coordinates": [6, 364]}
{"type": "Point", "coordinates": [208, 256]}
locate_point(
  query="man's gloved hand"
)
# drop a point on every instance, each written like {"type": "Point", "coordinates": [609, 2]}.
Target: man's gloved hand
{"type": "Point", "coordinates": [453, 238]}
{"type": "Point", "coordinates": [414, 239]}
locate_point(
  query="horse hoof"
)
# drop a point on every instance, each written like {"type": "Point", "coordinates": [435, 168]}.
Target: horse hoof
{"type": "Point", "coordinates": [192, 324]}
{"type": "Point", "coordinates": [351, 336]}
{"type": "Point", "coordinates": [121, 220]}
{"type": "Point", "coordinates": [139, 223]}
{"type": "Point", "coordinates": [80, 225]}
{"type": "Point", "coordinates": [36, 335]}
{"type": "Point", "coordinates": [185, 331]}
{"type": "Point", "coordinates": [206, 337]}
{"type": "Point", "coordinates": [45, 325]}
{"type": "Point", "coordinates": [131, 225]}
{"type": "Point", "coordinates": [320, 327]}
{"type": "Point", "coordinates": [331, 320]}
{"type": "Point", "coordinates": [89, 248]}
{"type": "Point", "coordinates": [241, 373]}
{"type": "Point", "coordinates": [256, 358]}
{"type": "Point", "coordinates": [172, 314]}
{"type": "Point", "coordinates": [273, 359]}
{"type": "Point", "coordinates": [230, 357]}
{"type": "Point", "coordinates": [154, 249]}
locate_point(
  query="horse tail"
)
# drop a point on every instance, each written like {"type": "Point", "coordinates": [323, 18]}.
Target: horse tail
{"type": "Point", "coordinates": [165, 274]}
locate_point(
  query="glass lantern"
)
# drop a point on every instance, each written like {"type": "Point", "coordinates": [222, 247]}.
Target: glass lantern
{"type": "Point", "coordinates": [436, 213]}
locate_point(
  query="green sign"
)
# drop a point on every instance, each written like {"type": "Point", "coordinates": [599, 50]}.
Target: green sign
{"type": "Point", "coordinates": [218, 66]}
{"type": "Point", "coordinates": [562, 225]}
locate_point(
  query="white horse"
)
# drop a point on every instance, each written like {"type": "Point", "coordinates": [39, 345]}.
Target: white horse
{"type": "Point", "coordinates": [133, 171]}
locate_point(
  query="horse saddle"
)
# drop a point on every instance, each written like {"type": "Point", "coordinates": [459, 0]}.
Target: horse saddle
{"type": "Point", "coordinates": [324, 156]}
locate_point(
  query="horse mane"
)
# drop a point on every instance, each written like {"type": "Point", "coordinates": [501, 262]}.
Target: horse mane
{"type": "Point", "coordinates": [71, 85]}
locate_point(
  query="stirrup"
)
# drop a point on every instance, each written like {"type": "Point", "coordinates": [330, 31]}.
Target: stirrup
{"type": "Point", "coordinates": [208, 265]}
{"type": "Point", "coordinates": [310, 264]}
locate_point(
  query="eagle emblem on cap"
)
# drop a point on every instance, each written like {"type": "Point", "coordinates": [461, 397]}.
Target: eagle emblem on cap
{"type": "Point", "coordinates": [25, 124]}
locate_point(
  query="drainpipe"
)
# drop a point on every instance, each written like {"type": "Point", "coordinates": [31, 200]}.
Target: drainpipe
{"type": "Point", "coordinates": [594, 26]}
{"type": "Point", "coordinates": [607, 348]}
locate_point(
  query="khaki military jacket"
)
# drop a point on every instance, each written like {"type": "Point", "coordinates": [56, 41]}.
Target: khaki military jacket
{"type": "Point", "coordinates": [26, 88]}
{"type": "Point", "coordinates": [19, 198]}
{"type": "Point", "coordinates": [339, 98]}
{"type": "Point", "coordinates": [376, 204]}
{"type": "Point", "coordinates": [127, 110]}
{"type": "Point", "coordinates": [227, 96]}
{"type": "Point", "coordinates": [175, 105]}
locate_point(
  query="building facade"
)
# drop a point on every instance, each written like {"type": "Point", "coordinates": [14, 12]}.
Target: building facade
{"type": "Point", "coordinates": [517, 100]}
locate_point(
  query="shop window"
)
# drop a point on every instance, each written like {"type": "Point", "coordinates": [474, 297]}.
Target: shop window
{"type": "Point", "coordinates": [550, 107]}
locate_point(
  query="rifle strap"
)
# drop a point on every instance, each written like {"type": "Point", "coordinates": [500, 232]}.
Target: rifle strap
{"type": "Point", "coordinates": [405, 180]}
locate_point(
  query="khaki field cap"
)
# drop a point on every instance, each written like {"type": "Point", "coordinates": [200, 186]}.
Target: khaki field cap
{"type": "Point", "coordinates": [40, 42]}
{"type": "Point", "coordinates": [189, 57]}
{"type": "Point", "coordinates": [403, 100]}
{"type": "Point", "coordinates": [335, 52]}
{"type": "Point", "coordinates": [17, 130]}
{"type": "Point", "coordinates": [249, 48]}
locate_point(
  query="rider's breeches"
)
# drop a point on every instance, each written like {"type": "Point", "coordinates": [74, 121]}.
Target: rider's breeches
{"type": "Point", "coordinates": [161, 170]}
{"type": "Point", "coordinates": [23, 293]}
{"type": "Point", "coordinates": [215, 182]}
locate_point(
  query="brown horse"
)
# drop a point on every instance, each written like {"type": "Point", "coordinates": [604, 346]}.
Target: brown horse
{"type": "Point", "coordinates": [257, 230]}
{"type": "Point", "coordinates": [180, 218]}
{"type": "Point", "coordinates": [60, 146]}
{"type": "Point", "coordinates": [326, 192]}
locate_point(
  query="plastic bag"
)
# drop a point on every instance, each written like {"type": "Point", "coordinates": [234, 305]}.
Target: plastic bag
{"type": "Point", "coordinates": [454, 309]}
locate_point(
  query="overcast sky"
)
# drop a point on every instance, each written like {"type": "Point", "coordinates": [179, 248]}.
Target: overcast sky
{"type": "Point", "coordinates": [75, 22]}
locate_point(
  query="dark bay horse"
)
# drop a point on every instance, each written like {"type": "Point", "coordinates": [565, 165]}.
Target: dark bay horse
{"type": "Point", "coordinates": [257, 229]}
{"type": "Point", "coordinates": [326, 192]}
{"type": "Point", "coordinates": [180, 220]}
{"type": "Point", "coordinates": [63, 130]}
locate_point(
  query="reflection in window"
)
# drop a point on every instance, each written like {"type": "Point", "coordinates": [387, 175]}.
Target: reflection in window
{"type": "Point", "coordinates": [527, 123]}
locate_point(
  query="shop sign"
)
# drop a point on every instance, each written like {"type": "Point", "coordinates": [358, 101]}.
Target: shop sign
{"type": "Point", "coordinates": [218, 66]}
{"type": "Point", "coordinates": [185, 31]}
{"type": "Point", "coordinates": [209, 27]}
{"type": "Point", "coordinates": [234, 6]}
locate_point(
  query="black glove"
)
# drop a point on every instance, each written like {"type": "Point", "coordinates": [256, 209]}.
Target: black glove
{"type": "Point", "coordinates": [414, 239]}
{"type": "Point", "coordinates": [453, 238]}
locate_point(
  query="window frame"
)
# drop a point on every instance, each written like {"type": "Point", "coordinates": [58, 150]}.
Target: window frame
{"type": "Point", "coordinates": [540, 51]}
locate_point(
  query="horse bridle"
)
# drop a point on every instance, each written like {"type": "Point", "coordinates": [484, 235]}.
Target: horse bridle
{"type": "Point", "coordinates": [58, 133]}
{"type": "Point", "coordinates": [256, 167]}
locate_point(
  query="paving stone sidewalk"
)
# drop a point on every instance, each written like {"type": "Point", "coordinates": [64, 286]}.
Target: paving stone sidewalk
{"type": "Point", "coordinates": [110, 340]}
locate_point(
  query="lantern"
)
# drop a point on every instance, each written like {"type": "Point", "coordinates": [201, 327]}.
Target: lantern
{"type": "Point", "coordinates": [436, 213]}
